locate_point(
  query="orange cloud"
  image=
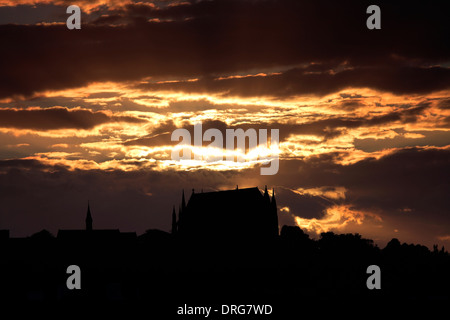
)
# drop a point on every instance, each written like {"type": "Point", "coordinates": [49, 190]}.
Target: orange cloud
{"type": "Point", "coordinates": [60, 145]}
{"type": "Point", "coordinates": [336, 217]}
{"type": "Point", "coordinates": [444, 238]}
{"type": "Point", "coordinates": [334, 193]}
{"type": "Point", "coordinates": [18, 145]}
{"type": "Point", "coordinates": [86, 5]}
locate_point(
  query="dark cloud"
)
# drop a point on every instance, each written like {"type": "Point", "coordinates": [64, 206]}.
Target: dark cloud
{"type": "Point", "coordinates": [22, 163]}
{"type": "Point", "coordinates": [31, 14]}
{"type": "Point", "coordinates": [98, 95]}
{"type": "Point", "coordinates": [415, 179]}
{"type": "Point", "coordinates": [398, 80]}
{"type": "Point", "coordinates": [58, 118]}
{"type": "Point", "coordinates": [305, 206]}
{"type": "Point", "coordinates": [350, 96]}
{"type": "Point", "coordinates": [351, 104]}
{"type": "Point", "coordinates": [416, 176]}
{"type": "Point", "coordinates": [444, 104]}
{"type": "Point", "coordinates": [227, 37]}
{"type": "Point", "coordinates": [438, 138]}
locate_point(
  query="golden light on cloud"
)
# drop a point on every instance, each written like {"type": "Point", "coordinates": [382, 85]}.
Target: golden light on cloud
{"type": "Point", "coordinates": [334, 193]}
{"type": "Point", "coordinates": [88, 5]}
{"type": "Point", "coordinates": [285, 209]}
{"type": "Point", "coordinates": [60, 145]}
{"type": "Point", "coordinates": [412, 135]}
{"type": "Point", "coordinates": [19, 145]}
{"type": "Point", "coordinates": [311, 125]}
{"type": "Point", "coordinates": [336, 217]}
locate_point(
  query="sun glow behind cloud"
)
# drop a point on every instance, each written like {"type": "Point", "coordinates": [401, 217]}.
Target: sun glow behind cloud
{"type": "Point", "coordinates": [310, 126]}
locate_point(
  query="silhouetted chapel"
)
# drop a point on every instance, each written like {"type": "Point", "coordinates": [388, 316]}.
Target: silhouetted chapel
{"type": "Point", "coordinates": [231, 215]}
{"type": "Point", "coordinates": [94, 235]}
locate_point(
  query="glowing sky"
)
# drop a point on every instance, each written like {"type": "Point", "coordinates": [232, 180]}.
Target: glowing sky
{"type": "Point", "coordinates": [364, 115]}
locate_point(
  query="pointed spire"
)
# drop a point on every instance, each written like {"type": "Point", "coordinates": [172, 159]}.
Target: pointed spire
{"type": "Point", "coordinates": [88, 218]}
{"type": "Point", "coordinates": [237, 187]}
{"type": "Point", "coordinates": [274, 212]}
{"type": "Point", "coordinates": [266, 195]}
{"type": "Point", "coordinates": [174, 221]}
{"type": "Point", "coordinates": [183, 202]}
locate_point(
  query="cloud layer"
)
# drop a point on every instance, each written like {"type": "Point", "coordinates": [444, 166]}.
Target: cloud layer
{"type": "Point", "coordinates": [207, 38]}
{"type": "Point", "coordinates": [363, 115]}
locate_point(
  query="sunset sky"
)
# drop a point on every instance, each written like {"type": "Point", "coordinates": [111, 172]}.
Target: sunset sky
{"type": "Point", "coordinates": [363, 115]}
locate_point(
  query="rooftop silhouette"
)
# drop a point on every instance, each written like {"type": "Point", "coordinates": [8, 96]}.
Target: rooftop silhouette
{"type": "Point", "coordinates": [230, 215]}
{"type": "Point", "coordinates": [94, 235]}
{"type": "Point", "coordinates": [244, 256]}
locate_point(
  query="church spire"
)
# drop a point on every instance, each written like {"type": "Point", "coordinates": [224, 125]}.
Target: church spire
{"type": "Point", "coordinates": [183, 202]}
{"type": "Point", "coordinates": [174, 221]}
{"type": "Point", "coordinates": [274, 212]}
{"type": "Point", "coordinates": [88, 219]}
{"type": "Point", "coordinates": [274, 201]}
{"type": "Point", "coordinates": [266, 195]}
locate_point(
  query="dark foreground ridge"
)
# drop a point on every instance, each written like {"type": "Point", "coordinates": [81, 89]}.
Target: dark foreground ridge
{"type": "Point", "coordinates": [208, 260]}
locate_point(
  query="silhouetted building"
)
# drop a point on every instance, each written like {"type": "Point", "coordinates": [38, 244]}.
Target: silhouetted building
{"type": "Point", "coordinates": [89, 234]}
{"type": "Point", "coordinates": [4, 234]}
{"type": "Point", "coordinates": [231, 215]}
